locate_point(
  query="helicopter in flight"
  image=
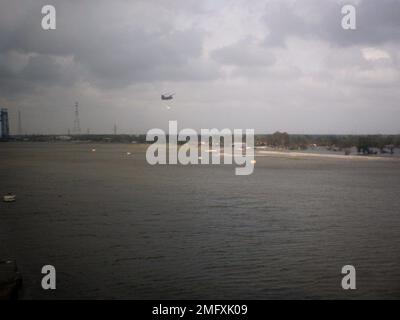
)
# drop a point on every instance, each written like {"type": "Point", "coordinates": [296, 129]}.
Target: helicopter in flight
{"type": "Point", "coordinates": [167, 96]}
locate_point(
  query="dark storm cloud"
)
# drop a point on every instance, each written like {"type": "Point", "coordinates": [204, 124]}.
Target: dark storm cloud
{"type": "Point", "coordinates": [136, 56]}
{"type": "Point", "coordinates": [378, 22]}
{"type": "Point", "coordinates": [109, 46]}
{"type": "Point", "coordinates": [23, 73]}
{"type": "Point", "coordinates": [117, 44]}
{"type": "Point", "coordinates": [46, 70]}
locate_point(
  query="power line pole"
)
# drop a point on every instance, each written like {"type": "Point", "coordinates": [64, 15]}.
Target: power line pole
{"type": "Point", "coordinates": [77, 125]}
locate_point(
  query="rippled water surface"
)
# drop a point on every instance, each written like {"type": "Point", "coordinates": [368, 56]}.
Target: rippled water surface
{"type": "Point", "coordinates": [116, 227]}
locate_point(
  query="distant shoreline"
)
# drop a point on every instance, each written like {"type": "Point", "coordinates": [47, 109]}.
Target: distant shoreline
{"type": "Point", "coordinates": [258, 153]}
{"type": "Point", "coordinates": [321, 155]}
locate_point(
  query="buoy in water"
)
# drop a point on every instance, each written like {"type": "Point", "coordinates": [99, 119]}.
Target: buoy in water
{"type": "Point", "coordinates": [9, 197]}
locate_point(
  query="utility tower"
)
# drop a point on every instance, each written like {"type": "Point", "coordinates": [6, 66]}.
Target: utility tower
{"type": "Point", "coordinates": [77, 125]}
{"type": "Point", "coordinates": [115, 128]}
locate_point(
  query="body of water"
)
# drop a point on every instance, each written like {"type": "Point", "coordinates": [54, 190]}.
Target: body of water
{"type": "Point", "coordinates": [115, 227]}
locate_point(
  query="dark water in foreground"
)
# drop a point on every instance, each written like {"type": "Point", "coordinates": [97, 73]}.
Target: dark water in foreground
{"type": "Point", "coordinates": [115, 227]}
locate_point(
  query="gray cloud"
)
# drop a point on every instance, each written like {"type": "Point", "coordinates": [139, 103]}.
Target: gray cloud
{"type": "Point", "coordinates": [109, 48]}
{"type": "Point", "coordinates": [46, 70]}
{"type": "Point", "coordinates": [244, 53]}
{"type": "Point", "coordinates": [265, 64]}
{"type": "Point", "coordinates": [377, 22]}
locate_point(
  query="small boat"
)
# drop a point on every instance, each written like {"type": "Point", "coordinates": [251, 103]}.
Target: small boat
{"type": "Point", "coordinates": [9, 197]}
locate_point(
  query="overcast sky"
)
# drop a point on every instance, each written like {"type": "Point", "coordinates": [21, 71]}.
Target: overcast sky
{"type": "Point", "coordinates": [264, 64]}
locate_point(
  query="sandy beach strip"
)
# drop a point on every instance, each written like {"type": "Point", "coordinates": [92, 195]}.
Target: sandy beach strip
{"type": "Point", "coordinates": [321, 155]}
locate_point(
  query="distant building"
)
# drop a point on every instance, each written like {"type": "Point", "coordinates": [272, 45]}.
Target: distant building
{"type": "Point", "coordinates": [5, 128]}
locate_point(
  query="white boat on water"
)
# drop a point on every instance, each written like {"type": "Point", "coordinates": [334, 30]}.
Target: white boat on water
{"type": "Point", "coordinates": [9, 197]}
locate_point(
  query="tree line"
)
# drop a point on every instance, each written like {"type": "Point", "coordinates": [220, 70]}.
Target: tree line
{"type": "Point", "coordinates": [363, 143]}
